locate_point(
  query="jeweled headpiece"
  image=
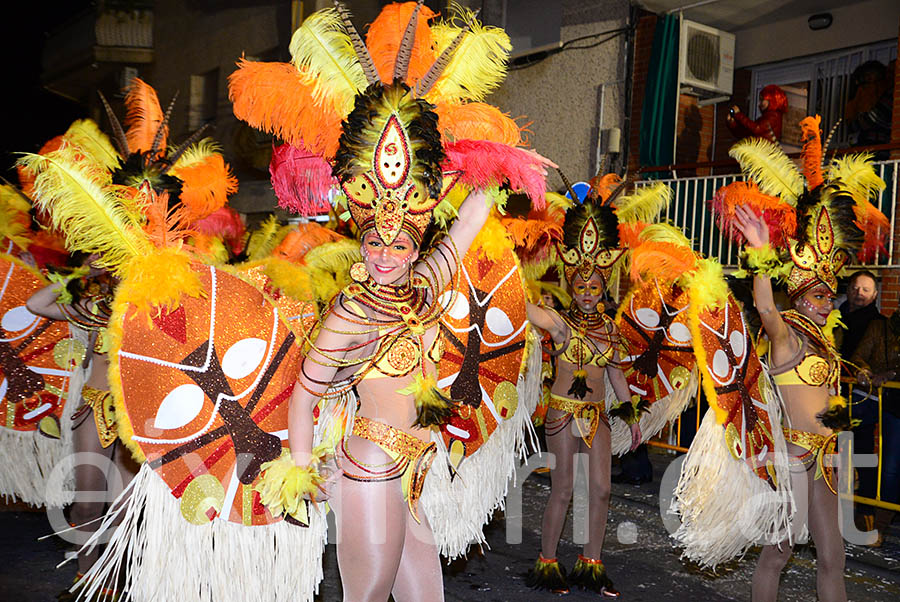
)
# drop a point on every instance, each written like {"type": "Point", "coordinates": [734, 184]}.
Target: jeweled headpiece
{"type": "Point", "coordinates": [591, 241]}
{"type": "Point", "coordinates": [592, 229]}
{"type": "Point", "coordinates": [395, 120]}
{"type": "Point", "coordinates": [389, 162]}
{"type": "Point", "coordinates": [827, 236]}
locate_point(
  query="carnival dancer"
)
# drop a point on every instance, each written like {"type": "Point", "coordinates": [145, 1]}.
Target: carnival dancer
{"type": "Point", "coordinates": [588, 349]}
{"type": "Point", "coordinates": [85, 186]}
{"type": "Point", "coordinates": [41, 363]}
{"type": "Point", "coordinates": [83, 299]}
{"type": "Point", "coordinates": [834, 220]}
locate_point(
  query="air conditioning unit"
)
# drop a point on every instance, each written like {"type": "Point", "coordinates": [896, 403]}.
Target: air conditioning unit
{"type": "Point", "coordinates": [705, 60]}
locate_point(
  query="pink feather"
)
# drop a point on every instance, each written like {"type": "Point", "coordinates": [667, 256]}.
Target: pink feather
{"type": "Point", "coordinates": [225, 223]}
{"type": "Point", "coordinates": [485, 163]}
{"type": "Point", "coordinates": [301, 179]}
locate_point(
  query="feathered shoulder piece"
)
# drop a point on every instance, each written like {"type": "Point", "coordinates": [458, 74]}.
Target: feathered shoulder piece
{"type": "Point", "coordinates": [819, 216]}
{"type": "Point", "coordinates": [396, 120]}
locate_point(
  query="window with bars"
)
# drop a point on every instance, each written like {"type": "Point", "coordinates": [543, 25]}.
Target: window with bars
{"type": "Point", "coordinates": [827, 78]}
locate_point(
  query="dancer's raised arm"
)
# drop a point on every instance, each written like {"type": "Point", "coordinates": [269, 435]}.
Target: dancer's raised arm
{"type": "Point", "coordinates": [756, 231]}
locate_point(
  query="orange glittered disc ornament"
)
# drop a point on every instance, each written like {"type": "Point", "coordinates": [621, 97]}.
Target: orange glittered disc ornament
{"type": "Point", "coordinates": [37, 355]}
{"type": "Point", "coordinates": [736, 372]}
{"type": "Point", "coordinates": [661, 356]}
{"type": "Point", "coordinates": [206, 389]}
{"type": "Point", "coordinates": [483, 345]}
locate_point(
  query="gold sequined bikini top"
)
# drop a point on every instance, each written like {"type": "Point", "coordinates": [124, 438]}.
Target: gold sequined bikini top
{"type": "Point", "coordinates": [397, 354]}
{"type": "Point", "coordinates": [807, 368]}
{"type": "Point", "coordinates": [583, 347]}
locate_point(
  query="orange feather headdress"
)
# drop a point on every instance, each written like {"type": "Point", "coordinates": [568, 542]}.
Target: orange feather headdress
{"type": "Point", "coordinates": [398, 118]}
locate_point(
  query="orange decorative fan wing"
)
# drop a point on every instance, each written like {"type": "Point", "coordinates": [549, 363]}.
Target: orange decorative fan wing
{"type": "Point", "coordinates": [206, 390]}
{"type": "Point", "coordinates": [37, 355]}
{"type": "Point", "coordinates": [483, 335]}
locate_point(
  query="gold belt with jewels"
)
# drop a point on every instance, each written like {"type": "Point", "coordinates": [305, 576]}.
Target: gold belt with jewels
{"type": "Point", "coordinates": [104, 409]}
{"type": "Point", "coordinates": [414, 456]}
{"type": "Point", "coordinates": [586, 414]}
{"type": "Point", "coordinates": [817, 447]}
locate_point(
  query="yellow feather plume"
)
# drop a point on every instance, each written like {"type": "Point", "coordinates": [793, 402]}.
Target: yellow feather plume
{"type": "Point", "coordinates": [160, 278]}
{"type": "Point", "coordinates": [708, 283]}
{"type": "Point", "coordinates": [329, 267]}
{"type": "Point", "coordinates": [492, 240]}
{"type": "Point", "coordinates": [664, 233]}
{"type": "Point", "coordinates": [263, 239]}
{"type": "Point", "coordinates": [445, 212]}
{"type": "Point", "coordinates": [765, 163]}
{"type": "Point", "coordinates": [858, 176]}
{"type": "Point", "coordinates": [86, 135]}
{"type": "Point", "coordinates": [14, 218]}
{"type": "Point", "coordinates": [479, 64]}
{"type": "Point", "coordinates": [93, 218]}
{"type": "Point", "coordinates": [323, 52]}
{"type": "Point", "coordinates": [558, 202]}
{"type": "Point", "coordinates": [195, 154]}
{"type": "Point", "coordinates": [644, 204]}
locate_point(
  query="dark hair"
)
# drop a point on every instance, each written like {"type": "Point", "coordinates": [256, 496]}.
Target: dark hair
{"type": "Point", "coordinates": [859, 273]}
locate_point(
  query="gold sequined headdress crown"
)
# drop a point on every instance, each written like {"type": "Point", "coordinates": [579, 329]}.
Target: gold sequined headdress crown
{"type": "Point", "coordinates": [389, 162]}
{"type": "Point", "coordinates": [591, 240]}
{"type": "Point", "coordinates": [826, 234]}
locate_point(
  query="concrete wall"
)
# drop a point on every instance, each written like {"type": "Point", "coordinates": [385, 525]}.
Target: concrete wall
{"type": "Point", "coordinates": [560, 95]}
{"type": "Point", "coordinates": [853, 25]}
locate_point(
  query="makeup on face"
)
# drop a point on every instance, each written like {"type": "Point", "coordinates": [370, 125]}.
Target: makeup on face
{"type": "Point", "coordinates": [587, 294]}
{"type": "Point", "coordinates": [388, 264]}
{"type": "Point", "coordinates": [816, 304]}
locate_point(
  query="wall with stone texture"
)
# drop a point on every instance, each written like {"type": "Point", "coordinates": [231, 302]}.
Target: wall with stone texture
{"type": "Point", "coordinates": [560, 95]}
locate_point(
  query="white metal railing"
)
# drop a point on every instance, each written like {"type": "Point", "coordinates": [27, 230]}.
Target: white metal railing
{"type": "Point", "coordinates": [690, 211]}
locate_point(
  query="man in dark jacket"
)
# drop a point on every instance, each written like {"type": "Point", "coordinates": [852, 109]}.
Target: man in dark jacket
{"type": "Point", "coordinates": [858, 310]}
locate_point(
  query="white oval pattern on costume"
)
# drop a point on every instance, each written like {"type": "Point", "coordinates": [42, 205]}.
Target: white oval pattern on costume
{"type": "Point", "coordinates": [243, 358]}
{"type": "Point", "coordinates": [647, 317]}
{"type": "Point", "coordinates": [460, 305]}
{"type": "Point", "coordinates": [720, 366]}
{"type": "Point", "coordinates": [679, 332]}
{"type": "Point", "coordinates": [16, 319]}
{"type": "Point", "coordinates": [498, 322]}
{"type": "Point", "coordinates": [737, 343]}
{"type": "Point", "coordinates": [180, 406]}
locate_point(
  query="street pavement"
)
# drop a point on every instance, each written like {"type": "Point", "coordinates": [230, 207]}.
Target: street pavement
{"type": "Point", "coordinates": [638, 554]}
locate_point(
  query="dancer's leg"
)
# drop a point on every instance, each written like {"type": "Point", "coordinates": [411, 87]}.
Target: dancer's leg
{"type": "Point", "coordinates": [90, 485]}
{"type": "Point", "coordinates": [825, 531]}
{"type": "Point", "coordinates": [563, 444]}
{"type": "Point", "coordinates": [772, 559]}
{"type": "Point", "coordinates": [599, 468]}
{"type": "Point", "coordinates": [419, 575]}
{"type": "Point", "coordinates": [371, 527]}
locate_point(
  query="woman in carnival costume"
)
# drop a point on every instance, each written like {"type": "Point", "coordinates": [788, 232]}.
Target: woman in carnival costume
{"type": "Point", "coordinates": [589, 380]}
{"type": "Point", "coordinates": [195, 176]}
{"type": "Point", "coordinates": [803, 229]}
{"type": "Point", "coordinates": [406, 140]}
{"type": "Point", "coordinates": [39, 362]}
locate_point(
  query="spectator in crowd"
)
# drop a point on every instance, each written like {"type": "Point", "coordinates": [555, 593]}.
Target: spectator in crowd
{"type": "Point", "coordinates": [857, 313]}
{"type": "Point", "coordinates": [773, 104]}
{"type": "Point", "coordinates": [858, 310]}
{"type": "Point", "coordinates": [878, 359]}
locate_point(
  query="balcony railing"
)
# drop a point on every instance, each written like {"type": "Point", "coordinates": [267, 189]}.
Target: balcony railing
{"type": "Point", "coordinates": [689, 211]}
